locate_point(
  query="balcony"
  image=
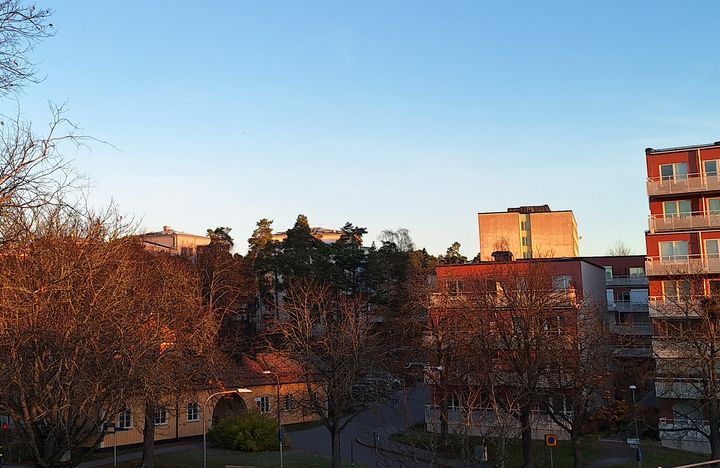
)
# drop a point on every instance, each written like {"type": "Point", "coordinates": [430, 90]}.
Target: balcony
{"type": "Point", "coordinates": [684, 222]}
{"type": "Point", "coordinates": [632, 329]}
{"type": "Point", "coordinates": [679, 388]}
{"type": "Point", "coordinates": [683, 428]}
{"type": "Point", "coordinates": [631, 280]}
{"type": "Point", "coordinates": [666, 307]}
{"type": "Point", "coordinates": [627, 306]}
{"type": "Point", "coordinates": [691, 183]}
{"type": "Point", "coordinates": [681, 265]}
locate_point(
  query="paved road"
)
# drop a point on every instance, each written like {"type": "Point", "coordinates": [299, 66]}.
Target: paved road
{"type": "Point", "coordinates": [385, 420]}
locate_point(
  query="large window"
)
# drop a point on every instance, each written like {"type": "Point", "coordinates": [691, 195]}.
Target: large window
{"type": "Point", "coordinates": [712, 248]}
{"type": "Point", "coordinates": [674, 251]}
{"type": "Point", "coordinates": [608, 272]}
{"type": "Point", "coordinates": [676, 208]}
{"type": "Point", "coordinates": [193, 412]}
{"type": "Point", "coordinates": [711, 168]}
{"type": "Point", "coordinates": [676, 291]}
{"type": "Point", "coordinates": [637, 272]}
{"type": "Point", "coordinates": [675, 171]}
{"type": "Point", "coordinates": [125, 420]}
{"type": "Point", "coordinates": [160, 416]}
{"type": "Point", "coordinates": [562, 283]}
{"type": "Point", "coordinates": [713, 206]}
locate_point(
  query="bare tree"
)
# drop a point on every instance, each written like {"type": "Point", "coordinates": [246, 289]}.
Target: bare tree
{"type": "Point", "coordinates": [619, 249]}
{"type": "Point", "coordinates": [329, 335]}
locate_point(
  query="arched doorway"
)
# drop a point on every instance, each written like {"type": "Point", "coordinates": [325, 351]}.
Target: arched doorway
{"type": "Point", "coordinates": [228, 406]}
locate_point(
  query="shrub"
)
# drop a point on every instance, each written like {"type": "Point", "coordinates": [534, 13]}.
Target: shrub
{"type": "Point", "coordinates": [249, 432]}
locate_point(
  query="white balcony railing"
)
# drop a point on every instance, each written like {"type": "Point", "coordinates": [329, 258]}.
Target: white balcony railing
{"type": "Point", "coordinates": [640, 329]}
{"type": "Point", "coordinates": [631, 280]}
{"type": "Point", "coordinates": [627, 306]}
{"type": "Point", "coordinates": [668, 307]}
{"type": "Point", "coordinates": [680, 388]}
{"type": "Point", "coordinates": [683, 429]}
{"type": "Point", "coordinates": [681, 265]}
{"type": "Point", "coordinates": [689, 183]}
{"type": "Point", "coordinates": [684, 221]}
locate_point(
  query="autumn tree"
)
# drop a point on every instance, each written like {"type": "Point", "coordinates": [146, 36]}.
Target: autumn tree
{"type": "Point", "coordinates": [329, 335]}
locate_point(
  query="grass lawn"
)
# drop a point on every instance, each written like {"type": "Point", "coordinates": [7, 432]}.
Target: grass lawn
{"type": "Point", "coordinates": [562, 455]}
{"type": "Point", "coordinates": [219, 458]}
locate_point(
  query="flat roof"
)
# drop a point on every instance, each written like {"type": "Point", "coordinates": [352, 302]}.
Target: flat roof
{"type": "Point", "coordinates": [525, 260]}
{"type": "Point", "coordinates": [681, 148]}
{"type": "Point", "coordinates": [515, 212]}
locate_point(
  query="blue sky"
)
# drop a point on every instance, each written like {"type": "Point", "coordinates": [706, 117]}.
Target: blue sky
{"type": "Point", "coordinates": [386, 114]}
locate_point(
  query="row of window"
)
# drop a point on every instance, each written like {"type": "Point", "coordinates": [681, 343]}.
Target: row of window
{"type": "Point", "coordinates": [125, 419]}
{"type": "Point", "coordinates": [678, 171]}
{"type": "Point", "coordinates": [678, 250]}
{"type": "Point", "coordinates": [559, 283]}
{"type": "Point", "coordinates": [683, 208]}
{"type": "Point", "coordinates": [633, 272]}
{"type": "Point", "coordinates": [682, 289]}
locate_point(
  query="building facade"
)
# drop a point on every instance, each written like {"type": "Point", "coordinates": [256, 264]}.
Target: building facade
{"type": "Point", "coordinates": [174, 242]}
{"type": "Point", "coordinates": [683, 267]}
{"type": "Point", "coordinates": [529, 231]}
{"type": "Point", "coordinates": [553, 291]}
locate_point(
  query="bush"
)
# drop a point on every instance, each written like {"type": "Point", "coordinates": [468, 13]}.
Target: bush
{"type": "Point", "coordinates": [249, 432]}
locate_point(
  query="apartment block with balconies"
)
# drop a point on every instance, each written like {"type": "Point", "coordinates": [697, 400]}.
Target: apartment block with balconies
{"type": "Point", "coordinates": [683, 269]}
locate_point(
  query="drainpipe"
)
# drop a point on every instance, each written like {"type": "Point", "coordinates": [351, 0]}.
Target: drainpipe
{"type": "Point", "coordinates": [177, 420]}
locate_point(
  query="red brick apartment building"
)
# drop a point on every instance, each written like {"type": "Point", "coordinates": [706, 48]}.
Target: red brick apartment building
{"type": "Point", "coordinates": [683, 268]}
{"type": "Point", "coordinates": [571, 281]}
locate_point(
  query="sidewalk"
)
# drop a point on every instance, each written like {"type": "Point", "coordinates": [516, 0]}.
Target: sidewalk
{"type": "Point", "coordinates": [137, 455]}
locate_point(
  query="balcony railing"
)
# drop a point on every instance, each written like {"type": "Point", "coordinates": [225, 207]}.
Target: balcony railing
{"type": "Point", "coordinates": [682, 307]}
{"type": "Point", "coordinates": [641, 329]}
{"type": "Point", "coordinates": [682, 388]}
{"type": "Point", "coordinates": [628, 306]}
{"type": "Point", "coordinates": [681, 265]}
{"type": "Point", "coordinates": [683, 429]}
{"type": "Point", "coordinates": [632, 280]}
{"type": "Point", "coordinates": [684, 221]}
{"type": "Point", "coordinates": [685, 184]}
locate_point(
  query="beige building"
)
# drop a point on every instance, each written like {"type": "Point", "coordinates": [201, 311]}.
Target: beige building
{"type": "Point", "coordinates": [326, 235]}
{"type": "Point", "coordinates": [529, 231]}
{"type": "Point", "coordinates": [174, 242]}
{"type": "Point", "coordinates": [183, 416]}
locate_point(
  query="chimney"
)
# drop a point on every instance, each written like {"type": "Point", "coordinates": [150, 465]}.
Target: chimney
{"type": "Point", "coordinates": [502, 256]}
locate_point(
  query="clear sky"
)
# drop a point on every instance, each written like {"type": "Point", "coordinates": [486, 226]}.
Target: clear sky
{"type": "Point", "coordinates": [384, 113]}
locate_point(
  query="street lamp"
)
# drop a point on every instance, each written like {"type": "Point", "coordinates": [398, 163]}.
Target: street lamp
{"type": "Point", "coordinates": [280, 435]}
{"type": "Point", "coordinates": [632, 389]}
{"type": "Point", "coordinates": [226, 392]}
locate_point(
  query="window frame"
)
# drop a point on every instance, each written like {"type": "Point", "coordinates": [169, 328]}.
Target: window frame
{"type": "Point", "coordinates": [193, 412]}
{"type": "Point", "coordinates": [263, 404]}
{"type": "Point", "coordinates": [676, 175]}
{"type": "Point", "coordinates": [161, 414]}
{"type": "Point", "coordinates": [125, 419]}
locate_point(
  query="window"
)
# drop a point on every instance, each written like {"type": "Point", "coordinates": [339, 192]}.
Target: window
{"type": "Point", "coordinates": [637, 272]}
{"type": "Point", "coordinates": [193, 412]}
{"type": "Point", "coordinates": [263, 404]}
{"type": "Point", "coordinates": [610, 296]}
{"type": "Point", "coordinates": [712, 249]}
{"type": "Point", "coordinates": [675, 171]}
{"type": "Point", "coordinates": [713, 205]}
{"type": "Point", "coordinates": [160, 416]}
{"type": "Point", "coordinates": [562, 283]}
{"type": "Point", "coordinates": [676, 290]}
{"type": "Point", "coordinates": [125, 420]}
{"type": "Point", "coordinates": [608, 272]}
{"type": "Point", "coordinates": [526, 241]}
{"type": "Point", "coordinates": [527, 255]}
{"type": "Point", "coordinates": [525, 225]}
{"type": "Point", "coordinates": [714, 288]}
{"type": "Point", "coordinates": [289, 403]}
{"type": "Point", "coordinates": [677, 208]}
{"type": "Point", "coordinates": [711, 168]}
{"type": "Point", "coordinates": [674, 251]}
{"type": "Point", "coordinates": [455, 287]}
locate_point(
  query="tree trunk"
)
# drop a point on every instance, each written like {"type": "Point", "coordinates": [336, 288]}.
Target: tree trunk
{"type": "Point", "coordinates": [148, 436]}
{"type": "Point", "coordinates": [444, 427]}
{"type": "Point", "coordinates": [526, 426]}
{"type": "Point", "coordinates": [577, 451]}
{"type": "Point", "coordinates": [714, 423]}
{"type": "Point", "coordinates": [335, 441]}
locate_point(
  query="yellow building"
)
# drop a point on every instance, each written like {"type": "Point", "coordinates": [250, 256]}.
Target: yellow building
{"type": "Point", "coordinates": [174, 242]}
{"type": "Point", "coordinates": [326, 235]}
{"type": "Point", "coordinates": [529, 231]}
{"type": "Point", "coordinates": [179, 417]}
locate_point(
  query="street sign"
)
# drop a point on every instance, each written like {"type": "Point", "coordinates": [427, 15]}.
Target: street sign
{"type": "Point", "coordinates": [633, 442]}
{"type": "Point", "coordinates": [550, 440]}
{"type": "Point", "coordinates": [281, 435]}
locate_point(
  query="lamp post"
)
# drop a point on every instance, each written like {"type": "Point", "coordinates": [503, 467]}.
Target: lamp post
{"type": "Point", "coordinates": [226, 392]}
{"type": "Point", "coordinates": [632, 389]}
{"type": "Point", "coordinates": [279, 424]}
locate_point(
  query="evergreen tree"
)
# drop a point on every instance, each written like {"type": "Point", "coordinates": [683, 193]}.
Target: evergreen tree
{"type": "Point", "coordinates": [349, 261]}
{"type": "Point", "coordinates": [453, 256]}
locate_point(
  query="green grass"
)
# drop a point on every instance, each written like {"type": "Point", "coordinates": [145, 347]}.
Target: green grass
{"type": "Point", "coordinates": [301, 426]}
{"type": "Point", "coordinates": [219, 458]}
{"type": "Point", "coordinates": [653, 455]}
